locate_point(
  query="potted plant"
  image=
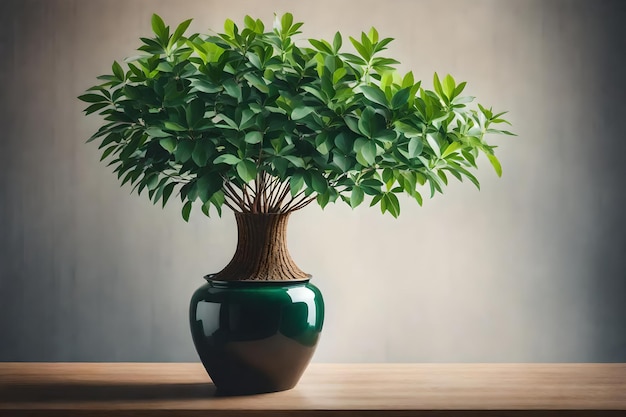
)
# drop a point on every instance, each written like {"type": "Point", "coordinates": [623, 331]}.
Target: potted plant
{"type": "Point", "coordinates": [249, 120]}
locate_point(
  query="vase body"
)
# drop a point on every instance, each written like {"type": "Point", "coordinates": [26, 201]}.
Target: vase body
{"type": "Point", "coordinates": [255, 337]}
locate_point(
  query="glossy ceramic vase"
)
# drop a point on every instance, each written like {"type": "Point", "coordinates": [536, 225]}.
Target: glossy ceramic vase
{"type": "Point", "coordinates": [255, 337]}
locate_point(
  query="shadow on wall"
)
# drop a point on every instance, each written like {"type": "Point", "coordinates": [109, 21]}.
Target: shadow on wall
{"type": "Point", "coordinates": [609, 172]}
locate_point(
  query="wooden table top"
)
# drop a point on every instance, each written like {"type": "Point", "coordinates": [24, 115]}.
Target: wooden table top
{"type": "Point", "coordinates": [389, 390]}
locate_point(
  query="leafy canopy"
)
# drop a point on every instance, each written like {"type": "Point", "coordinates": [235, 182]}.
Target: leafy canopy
{"type": "Point", "coordinates": [250, 120]}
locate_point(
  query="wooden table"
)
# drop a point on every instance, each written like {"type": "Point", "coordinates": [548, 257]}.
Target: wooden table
{"type": "Point", "coordinates": [387, 390]}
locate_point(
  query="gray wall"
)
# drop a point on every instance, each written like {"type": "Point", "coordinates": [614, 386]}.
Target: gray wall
{"type": "Point", "coordinates": [532, 268]}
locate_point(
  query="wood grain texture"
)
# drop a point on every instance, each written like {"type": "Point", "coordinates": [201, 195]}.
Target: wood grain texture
{"type": "Point", "coordinates": [389, 390]}
{"type": "Point", "coordinates": [262, 253]}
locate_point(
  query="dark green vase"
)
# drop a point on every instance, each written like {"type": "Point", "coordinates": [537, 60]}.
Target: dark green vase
{"type": "Point", "coordinates": [256, 323]}
{"type": "Point", "coordinates": [255, 337]}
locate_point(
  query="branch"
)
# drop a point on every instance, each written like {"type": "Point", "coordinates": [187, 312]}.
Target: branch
{"type": "Point", "coordinates": [303, 204]}
{"type": "Point", "coordinates": [281, 193]}
{"type": "Point", "coordinates": [301, 196]}
{"type": "Point", "coordinates": [232, 194]}
{"type": "Point", "coordinates": [228, 204]}
{"type": "Point", "coordinates": [272, 188]}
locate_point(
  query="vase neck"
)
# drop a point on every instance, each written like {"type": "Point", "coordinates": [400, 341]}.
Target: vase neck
{"type": "Point", "coordinates": [261, 253]}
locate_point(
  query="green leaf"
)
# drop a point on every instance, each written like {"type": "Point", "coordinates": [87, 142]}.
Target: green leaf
{"type": "Point", "coordinates": [437, 85]}
{"type": "Point", "coordinates": [160, 190]}
{"type": "Point", "coordinates": [339, 74]}
{"type": "Point", "coordinates": [246, 170]}
{"type": "Point", "coordinates": [356, 196]}
{"type": "Point", "coordinates": [155, 132]}
{"type": "Point", "coordinates": [361, 49]}
{"type": "Point", "coordinates": [176, 127]}
{"type": "Point", "coordinates": [195, 112]}
{"type": "Point", "coordinates": [415, 147]}
{"type": "Point", "coordinates": [341, 161]}
{"type": "Point", "coordinates": [386, 81]}
{"type": "Point", "coordinates": [300, 112]}
{"type": "Point", "coordinates": [286, 21]}
{"type": "Point", "coordinates": [205, 208]}
{"type": "Point", "coordinates": [318, 182]}
{"type": "Point", "coordinates": [443, 176]}
{"type": "Point", "coordinates": [400, 98]}
{"type": "Point", "coordinates": [232, 88]}
{"type": "Point", "coordinates": [253, 137]}
{"type": "Point", "coordinates": [354, 59]}
{"type": "Point", "coordinates": [506, 132]}
{"type": "Point", "coordinates": [199, 154]}
{"type": "Point", "coordinates": [495, 163]}
{"type": "Point", "coordinates": [418, 197]}
{"type": "Point", "coordinates": [184, 150]}
{"type": "Point", "coordinates": [230, 28]}
{"type": "Point", "coordinates": [296, 182]}
{"type": "Point", "coordinates": [246, 121]}
{"type": "Point", "coordinates": [323, 199]}
{"type": "Point", "coordinates": [343, 143]}
{"type": "Point", "coordinates": [391, 203]}
{"type": "Point", "coordinates": [371, 186]}
{"type": "Point", "coordinates": [95, 107]}
{"type": "Point", "coordinates": [469, 157]}
{"type": "Point", "coordinates": [186, 211]}
{"type": "Point", "coordinates": [368, 152]}
{"type": "Point", "coordinates": [408, 130]}
{"type": "Point", "coordinates": [169, 144]}
{"type": "Point", "coordinates": [118, 71]}
{"type": "Point", "coordinates": [158, 26]}
{"type": "Point", "coordinates": [459, 89]}
{"type": "Point", "coordinates": [280, 166]}
{"type": "Point", "coordinates": [217, 200]}
{"type": "Point", "coordinates": [152, 181]}
{"type": "Point", "coordinates": [375, 94]}
{"type": "Point", "coordinates": [448, 86]}
{"type": "Point", "coordinates": [249, 22]}
{"type": "Point", "coordinates": [352, 123]}
{"type": "Point", "coordinates": [255, 80]}
{"type": "Point", "coordinates": [452, 148]}
{"type": "Point", "coordinates": [295, 160]}
{"type": "Point", "coordinates": [432, 142]}
{"type": "Point", "coordinates": [107, 152]}
{"type": "Point", "coordinates": [323, 145]}
{"type": "Point", "coordinates": [337, 42]}
{"type": "Point", "coordinates": [465, 172]}
{"type": "Point", "coordinates": [131, 146]}
{"type": "Point", "coordinates": [408, 80]}
{"type": "Point", "coordinates": [454, 173]}
{"type": "Point", "coordinates": [388, 177]}
{"type": "Point", "coordinates": [93, 98]}
{"type": "Point", "coordinates": [180, 30]}
{"type": "Point", "coordinates": [208, 185]}
{"type": "Point", "coordinates": [227, 158]}
{"type": "Point", "coordinates": [320, 46]}
{"type": "Point", "coordinates": [205, 86]}
{"type": "Point", "coordinates": [366, 122]}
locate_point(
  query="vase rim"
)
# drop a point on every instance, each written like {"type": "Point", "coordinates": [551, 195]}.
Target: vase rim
{"type": "Point", "coordinates": [249, 213]}
{"type": "Point", "coordinates": [221, 283]}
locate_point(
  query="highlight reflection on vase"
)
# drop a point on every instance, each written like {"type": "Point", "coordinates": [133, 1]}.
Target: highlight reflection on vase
{"type": "Point", "coordinates": [255, 337]}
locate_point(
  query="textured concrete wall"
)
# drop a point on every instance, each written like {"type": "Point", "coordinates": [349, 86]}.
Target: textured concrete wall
{"type": "Point", "coordinates": [532, 268]}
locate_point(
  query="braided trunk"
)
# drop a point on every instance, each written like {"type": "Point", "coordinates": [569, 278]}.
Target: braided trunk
{"type": "Point", "coordinates": [261, 253]}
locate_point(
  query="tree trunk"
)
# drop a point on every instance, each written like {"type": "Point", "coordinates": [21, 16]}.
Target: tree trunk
{"type": "Point", "coordinates": [261, 253]}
